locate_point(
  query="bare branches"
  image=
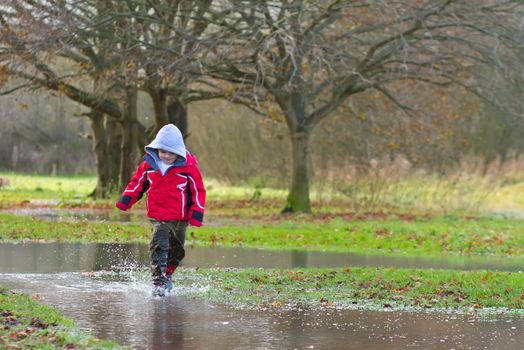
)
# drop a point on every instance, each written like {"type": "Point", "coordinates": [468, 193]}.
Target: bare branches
{"type": "Point", "coordinates": [331, 50]}
{"type": "Point", "coordinates": [323, 50]}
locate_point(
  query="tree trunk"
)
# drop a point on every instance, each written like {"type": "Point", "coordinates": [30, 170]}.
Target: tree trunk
{"type": "Point", "coordinates": [159, 99]}
{"type": "Point", "coordinates": [114, 140]}
{"type": "Point", "coordinates": [103, 184]}
{"type": "Point", "coordinates": [167, 112]}
{"type": "Point", "coordinates": [142, 138]}
{"type": "Point", "coordinates": [128, 154]}
{"type": "Point", "coordinates": [298, 197]}
{"type": "Point", "coordinates": [177, 114]}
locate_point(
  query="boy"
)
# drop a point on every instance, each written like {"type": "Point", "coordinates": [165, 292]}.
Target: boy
{"type": "Point", "coordinates": [176, 196]}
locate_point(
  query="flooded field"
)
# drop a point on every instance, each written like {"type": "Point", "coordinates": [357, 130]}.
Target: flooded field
{"type": "Point", "coordinates": [80, 280]}
{"type": "Point", "coordinates": [126, 311]}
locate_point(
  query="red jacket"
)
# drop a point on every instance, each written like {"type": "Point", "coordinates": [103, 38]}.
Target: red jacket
{"type": "Point", "coordinates": [178, 195]}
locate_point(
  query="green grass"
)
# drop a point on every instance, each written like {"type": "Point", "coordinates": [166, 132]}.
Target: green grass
{"type": "Point", "coordinates": [435, 236]}
{"type": "Point", "coordinates": [19, 228]}
{"type": "Point", "coordinates": [407, 194]}
{"type": "Point", "coordinates": [361, 287]}
{"type": "Point", "coordinates": [27, 324]}
{"type": "Point", "coordinates": [424, 236]}
{"type": "Point", "coordinates": [35, 186]}
{"type": "Point", "coordinates": [25, 187]}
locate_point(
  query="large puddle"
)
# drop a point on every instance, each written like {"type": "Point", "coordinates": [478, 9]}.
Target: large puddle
{"type": "Point", "coordinates": [82, 282]}
{"type": "Point", "coordinates": [68, 257]}
{"type": "Point", "coordinates": [126, 311]}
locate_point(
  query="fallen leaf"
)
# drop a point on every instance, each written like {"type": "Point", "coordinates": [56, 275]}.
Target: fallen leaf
{"type": "Point", "coordinates": [277, 304]}
{"type": "Point", "coordinates": [36, 322]}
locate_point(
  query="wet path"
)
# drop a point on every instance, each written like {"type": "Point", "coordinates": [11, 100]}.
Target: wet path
{"type": "Point", "coordinates": [80, 280]}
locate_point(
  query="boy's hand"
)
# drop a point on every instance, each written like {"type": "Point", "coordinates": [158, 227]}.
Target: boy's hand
{"type": "Point", "coordinates": [121, 206]}
{"type": "Point", "coordinates": [194, 222]}
{"type": "Point", "coordinates": [195, 218]}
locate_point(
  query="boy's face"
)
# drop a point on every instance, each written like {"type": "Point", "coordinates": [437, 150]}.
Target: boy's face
{"type": "Point", "coordinates": [167, 157]}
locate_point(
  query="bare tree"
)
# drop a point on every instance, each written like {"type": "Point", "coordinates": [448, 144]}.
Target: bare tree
{"type": "Point", "coordinates": [42, 49]}
{"type": "Point", "coordinates": [308, 57]}
{"type": "Point", "coordinates": [101, 54]}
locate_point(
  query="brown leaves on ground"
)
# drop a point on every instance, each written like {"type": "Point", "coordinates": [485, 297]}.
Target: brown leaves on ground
{"type": "Point", "coordinates": [295, 276]}
{"type": "Point", "coordinates": [37, 323]}
{"type": "Point", "coordinates": [326, 302]}
{"type": "Point", "coordinates": [9, 320]}
{"type": "Point", "coordinates": [383, 233]}
{"type": "Point", "coordinates": [259, 279]}
{"type": "Point", "coordinates": [21, 334]}
{"type": "Point", "coordinates": [15, 333]}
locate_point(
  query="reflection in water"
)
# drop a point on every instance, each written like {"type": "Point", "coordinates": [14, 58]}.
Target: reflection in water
{"type": "Point", "coordinates": [69, 257]}
{"type": "Point", "coordinates": [124, 310]}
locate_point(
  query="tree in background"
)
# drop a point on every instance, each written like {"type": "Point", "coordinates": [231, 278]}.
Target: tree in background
{"type": "Point", "coordinates": [41, 50]}
{"type": "Point", "coordinates": [308, 57]}
{"type": "Point", "coordinates": [298, 61]}
{"type": "Point", "coordinates": [101, 55]}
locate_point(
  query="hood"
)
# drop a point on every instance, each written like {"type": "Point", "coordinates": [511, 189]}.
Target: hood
{"type": "Point", "coordinates": [168, 138]}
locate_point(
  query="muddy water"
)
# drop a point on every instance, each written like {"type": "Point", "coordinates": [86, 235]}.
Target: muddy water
{"type": "Point", "coordinates": [81, 281]}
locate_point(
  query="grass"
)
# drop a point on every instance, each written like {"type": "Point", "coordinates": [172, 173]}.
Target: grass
{"type": "Point", "coordinates": [28, 324]}
{"type": "Point", "coordinates": [424, 236]}
{"type": "Point", "coordinates": [404, 194]}
{"type": "Point", "coordinates": [27, 187]}
{"type": "Point", "coordinates": [437, 236]}
{"type": "Point", "coordinates": [361, 287]}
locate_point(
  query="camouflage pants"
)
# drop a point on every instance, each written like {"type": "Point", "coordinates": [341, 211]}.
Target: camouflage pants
{"type": "Point", "coordinates": [167, 245]}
